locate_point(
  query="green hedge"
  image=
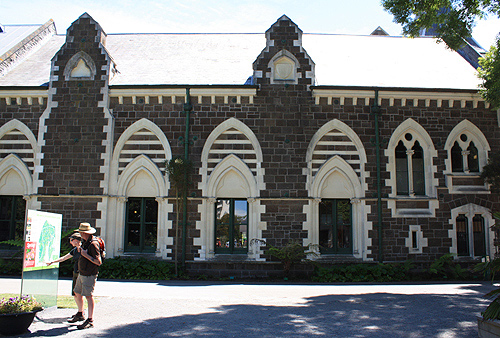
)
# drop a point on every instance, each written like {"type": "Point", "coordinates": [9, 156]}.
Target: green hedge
{"type": "Point", "coordinates": [128, 268]}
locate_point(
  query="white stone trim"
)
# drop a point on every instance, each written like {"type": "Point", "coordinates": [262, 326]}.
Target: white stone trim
{"type": "Point", "coordinates": [409, 98]}
{"type": "Point", "coordinates": [475, 135]}
{"type": "Point", "coordinates": [231, 164]}
{"type": "Point", "coordinates": [470, 210]}
{"type": "Point", "coordinates": [419, 134]}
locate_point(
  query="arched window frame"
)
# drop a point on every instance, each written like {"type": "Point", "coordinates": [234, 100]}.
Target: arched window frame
{"type": "Point", "coordinates": [420, 135]}
{"type": "Point", "coordinates": [454, 179]}
{"type": "Point", "coordinates": [284, 56]}
{"type": "Point", "coordinates": [119, 185]}
{"type": "Point", "coordinates": [253, 182]}
{"type": "Point", "coordinates": [470, 211]}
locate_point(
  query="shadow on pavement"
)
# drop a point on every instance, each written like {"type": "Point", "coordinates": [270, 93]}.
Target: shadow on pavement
{"type": "Point", "coordinates": [366, 315]}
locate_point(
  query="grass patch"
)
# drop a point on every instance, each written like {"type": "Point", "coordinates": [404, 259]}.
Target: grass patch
{"type": "Point", "coordinates": [63, 302]}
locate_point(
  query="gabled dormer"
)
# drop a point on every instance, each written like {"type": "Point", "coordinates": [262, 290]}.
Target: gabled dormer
{"type": "Point", "coordinates": [284, 60]}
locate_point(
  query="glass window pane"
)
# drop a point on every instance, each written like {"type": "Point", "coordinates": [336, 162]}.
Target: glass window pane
{"type": "Point", "coordinates": [479, 236]}
{"type": "Point", "coordinates": [473, 158]}
{"type": "Point", "coordinates": [222, 220]}
{"type": "Point", "coordinates": [5, 208]}
{"type": "Point", "coordinates": [151, 213]}
{"type": "Point", "coordinates": [418, 169]}
{"type": "Point", "coordinates": [343, 212]}
{"type": "Point", "coordinates": [150, 236]}
{"type": "Point", "coordinates": [401, 170]}
{"type": "Point", "coordinates": [134, 209]}
{"type": "Point", "coordinates": [240, 229]}
{"type": "Point", "coordinates": [457, 163]}
{"type": "Point", "coordinates": [462, 236]}
{"type": "Point", "coordinates": [134, 235]}
{"type": "Point", "coordinates": [4, 230]}
{"type": "Point", "coordinates": [325, 212]}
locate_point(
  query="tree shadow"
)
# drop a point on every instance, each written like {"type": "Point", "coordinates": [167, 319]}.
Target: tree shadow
{"type": "Point", "coordinates": [356, 315]}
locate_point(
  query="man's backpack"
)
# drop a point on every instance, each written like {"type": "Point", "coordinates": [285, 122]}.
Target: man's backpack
{"type": "Point", "coordinates": [102, 247]}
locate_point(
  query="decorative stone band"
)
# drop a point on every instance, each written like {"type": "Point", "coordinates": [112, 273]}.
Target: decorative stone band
{"type": "Point", "coordinates": [18, 97]}
{"type": "Point", "coordinates": [406, 98]}
{"type": "Point", "coordinates": [143, 95]}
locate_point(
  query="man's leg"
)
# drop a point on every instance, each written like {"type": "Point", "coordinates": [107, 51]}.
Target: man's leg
{"type": "Point", "coordinates": [90, 303]}
{"type": "Point", "coordinates": [79, 302]}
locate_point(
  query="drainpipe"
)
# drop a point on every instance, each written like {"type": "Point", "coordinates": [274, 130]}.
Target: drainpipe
{"type": "Point", "coordinates": [375, 110]}
{"type": "Point", "coordinates": [187, 110]}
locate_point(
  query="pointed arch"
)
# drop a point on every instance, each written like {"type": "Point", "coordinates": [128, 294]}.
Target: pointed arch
{"type": "Point", "coordinates": [421, 169]}
{"type": "Point", "coordinates": [349, 180]}
{"type": "Point", "coordinates": [250, 150]}
{"type": "Point", "coordinates": [135, 128]}
{"type": "Point", "coordinates": [469, 211]}
{"type": "Point", "coordinates": [15, 177]}
{"type": "Point", "coordinates": [355, 141]}
{"type": "Point", "coordinates": [232, 166]}
{"type": "Point", "coordinates": [467, 153]}
{"type": "Point", "coordinates": [284, 67]}
{"type": "Point", "coordinates": [84, 66]}
{"type": "Point", "coordinates": [147, 171]}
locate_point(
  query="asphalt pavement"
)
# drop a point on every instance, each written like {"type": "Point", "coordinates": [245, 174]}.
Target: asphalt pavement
{"type": "Point", "coordinates": [265, 310]}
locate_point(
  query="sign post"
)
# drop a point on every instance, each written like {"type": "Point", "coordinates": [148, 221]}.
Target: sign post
{"type": "Point", "coordinates": [42, 244]}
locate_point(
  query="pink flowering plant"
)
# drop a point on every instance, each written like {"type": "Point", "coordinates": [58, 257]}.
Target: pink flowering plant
{"type": "Point", "coordinates": [19, 305]}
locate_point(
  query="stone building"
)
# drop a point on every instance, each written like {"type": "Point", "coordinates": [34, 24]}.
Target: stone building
{"type": "Point", "coordinates": [368, 146]}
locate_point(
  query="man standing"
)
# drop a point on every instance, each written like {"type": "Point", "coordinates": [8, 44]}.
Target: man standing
{"type": "Point", "coordinates": [75, 240]}
{"type": "Point", "coordinates": [88, 267]}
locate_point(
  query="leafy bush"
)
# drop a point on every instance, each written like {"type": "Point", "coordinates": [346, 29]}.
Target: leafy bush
{"type": "Point", "coordinates": [446, 268]}
{"type": "Point", "coordinates": [128, 268]}
{"type": "Point", "coordinates": [11, 267]}
{"type": "Point", "coordinates": [362, 273]}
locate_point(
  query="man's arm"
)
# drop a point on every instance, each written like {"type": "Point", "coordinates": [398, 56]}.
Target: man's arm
{"type": "Point", "coordinates": [94, 259]}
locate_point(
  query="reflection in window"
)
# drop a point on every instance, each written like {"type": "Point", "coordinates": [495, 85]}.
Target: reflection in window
{"type": "Point", "coordinates": [410, 171]}
{"type": "Point", "coordinates": [335, 226]}
{"type": "Point", "coordinates": [457, 163]}
{"type": "Point", "coordinates": [462, 236]}
{"type": "Point", "coordinates": [12, 214]}
{"type": "Point", "coordinates": [401, 169]}
{"type": "Point", "coordinates": [479, 235]}
{"type": "Point", "coordinates": [473, 158]}
{"type": "Point", "coordinates": [418, 169]}
{"type": "Point", "coordinates": [231, 226]}
{"type": "Point", "coordinates": [141, 230]}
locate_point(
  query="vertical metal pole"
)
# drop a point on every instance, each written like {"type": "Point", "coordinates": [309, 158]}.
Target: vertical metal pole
{"type": "Point", "coordinates": [187, 110]}
{"type": "Point", "coordinates": [376, 112]}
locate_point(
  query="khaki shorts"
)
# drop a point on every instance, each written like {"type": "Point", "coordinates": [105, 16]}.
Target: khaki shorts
{"type": "Point", "coordinates": [85, 285]}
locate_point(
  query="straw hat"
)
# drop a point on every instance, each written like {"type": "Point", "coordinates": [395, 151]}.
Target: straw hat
{"type": "Point", "coordinates": [76, 235]}
{"type": "Point", "coordinates": [86, 228]}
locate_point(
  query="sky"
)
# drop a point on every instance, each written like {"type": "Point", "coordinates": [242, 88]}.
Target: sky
{"type": "Point", "coordinates": [358, 17]}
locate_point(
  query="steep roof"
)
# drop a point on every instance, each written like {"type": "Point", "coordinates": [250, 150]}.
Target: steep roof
{"type": "Point", "coordinates": [226, 59]}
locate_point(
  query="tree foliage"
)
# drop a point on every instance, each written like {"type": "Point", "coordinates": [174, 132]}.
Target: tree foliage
{"type": "Point", "coordinates": [453, 21]}
{"type": "Point", "coordinates": [490, 74]}
{"type": "Point", "coordinates": [491, 172]}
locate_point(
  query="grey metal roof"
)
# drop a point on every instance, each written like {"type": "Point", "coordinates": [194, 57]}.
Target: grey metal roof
{"type": "Point", "coordinates": [227, 59]}
{"type": "Point", "coordinates": [13, 34]}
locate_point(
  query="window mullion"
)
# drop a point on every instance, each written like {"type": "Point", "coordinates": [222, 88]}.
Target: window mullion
{"type": "Point", "coordinates": [465, 154]}
{"type": "Point", "coordinates": [410, 153]}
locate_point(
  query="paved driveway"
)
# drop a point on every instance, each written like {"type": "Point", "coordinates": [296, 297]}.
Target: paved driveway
{"type": "Point", "coordinates": [212, 309]}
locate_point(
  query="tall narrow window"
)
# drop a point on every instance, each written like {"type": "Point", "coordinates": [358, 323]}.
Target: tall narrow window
{"type": "Point", "coordinates": [12, 213]}
{"type": "Point", "coordinates": [231, 226]}
{"type": "Point", "coordinates": [141, 230]}
{"type": "Point", "coordinates": [418, 169]}
{"type": "Point", "coordinates": [335, 226]}
{"type": "Point", "coordinates": [479, 235]}
{"type": "Point", "coordinates": [473, 158]}
{"type": "Point", "coordinates": [457, 163]}
{"type": "Point", "coordinates": [402, 170]}
{"type": "Point", "coordinates": [462, 235]}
